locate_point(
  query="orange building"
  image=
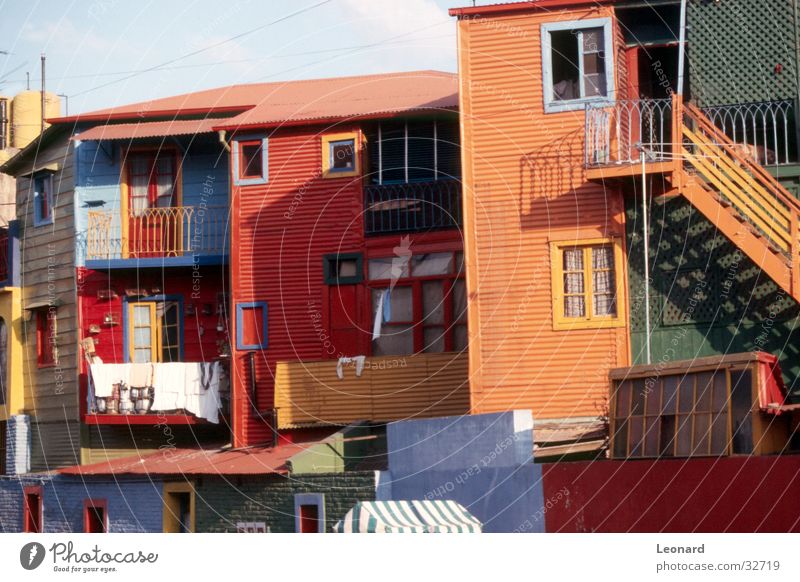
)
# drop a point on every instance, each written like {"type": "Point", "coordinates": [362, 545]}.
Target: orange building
{"type": "Point", "coordinates": [532, 221]}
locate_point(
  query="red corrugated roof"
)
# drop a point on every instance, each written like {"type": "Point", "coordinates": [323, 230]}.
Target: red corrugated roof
{"type": "Point", "coordinates": [297, 101]}
{"type": "Point", "coordinates": [151, 129]}
{"type": "Point", "coordinates": [248, 461]}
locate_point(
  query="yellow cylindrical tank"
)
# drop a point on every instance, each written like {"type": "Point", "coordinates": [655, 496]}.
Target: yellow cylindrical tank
{"type": "Point", "coordinates": [26, 115]}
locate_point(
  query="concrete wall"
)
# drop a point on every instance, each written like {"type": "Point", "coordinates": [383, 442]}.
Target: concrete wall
{"type": "Point", "coordinates": [134, 506]}
{"type": "Point", "coordinates": [483, 461]}
{"type": "Point", "coordinates": [220, 503]}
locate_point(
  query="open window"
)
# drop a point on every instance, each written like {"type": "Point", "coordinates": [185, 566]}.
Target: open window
{"type": "Point", "coordinates": [32, 509]}
{"type": "Point", "coordinates": [309, 513]}
{"type": "Point", "coordinates": [43, 198]}
{"type": "Point", "coordinates": [95, 516]}
{"type": "Point", "coordinates": [154, 330]}
{"type": "Point", "coordinates": [250, 160]}
{"type": "Point", "coordinates": [587, 284]}
{"type": "Point", "coordinates": [577, 63]}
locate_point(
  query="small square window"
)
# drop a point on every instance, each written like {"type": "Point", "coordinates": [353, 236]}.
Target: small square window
{"type": "Point", "coordinates": [250, 164]}
{"type": "Point", "coordinates": [340, 155]}
{"type": "Point", "coordinates": [343, 269]}
{"type": "Point", "coordinates": [43, 199]}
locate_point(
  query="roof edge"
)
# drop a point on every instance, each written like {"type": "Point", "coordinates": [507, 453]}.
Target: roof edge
{"type": "Point", "coordinates": [529, 5]}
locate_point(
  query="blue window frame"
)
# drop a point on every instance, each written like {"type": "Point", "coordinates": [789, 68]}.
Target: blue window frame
{"type": "Point", "coordinates": [43, 199]}
{"type": "Point", "coordinates": [309, 513]}
{"type": "Point", "coordinates": [250, 160]}
{"type": "Point", "coordinates": [577, 64]}
{"type": "Point", "coordinates": [251, 326]}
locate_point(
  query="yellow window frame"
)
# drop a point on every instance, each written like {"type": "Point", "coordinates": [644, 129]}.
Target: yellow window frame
{"type": "Point", "coordinates": [171, 507]}
{"type": "Point", "coordinates": [589, 320]}
{"type": "Point", "coordinates": [330, 138]}
{"type": "Point", "coordinates": [154, 330]}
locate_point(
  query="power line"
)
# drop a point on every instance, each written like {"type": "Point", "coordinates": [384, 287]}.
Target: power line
{"type": "Point", "coordinates": [204, 49]}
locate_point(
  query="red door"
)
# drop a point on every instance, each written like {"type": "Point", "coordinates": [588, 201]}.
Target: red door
{"type": "Point", "coordinates": [155, 225]}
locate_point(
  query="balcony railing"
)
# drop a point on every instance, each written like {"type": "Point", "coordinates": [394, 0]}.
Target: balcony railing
{"type": "Point", "coordinates": [415, 206]}
{"type": "Point", "coordinates": [387, 388]}
{"type": "Point", "coordinates": [619, 133]}
{"type": "Point", "coordinates": [157, 232]}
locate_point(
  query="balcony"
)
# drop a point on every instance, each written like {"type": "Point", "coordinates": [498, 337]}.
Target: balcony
{"type": "Point", "coordinates": [176, 236]}
{"type": "Point", "coordinates": [389, 388]}
{"type": "Point", "coordinates": [618, 135]}
{"type": "Point", "coordinates": [152, 393]}
{"type": "Point", "coordinates": [412, 207]}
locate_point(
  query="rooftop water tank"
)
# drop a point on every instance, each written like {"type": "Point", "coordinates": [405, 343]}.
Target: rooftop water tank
{"type": "Point", "coordinates": [26, 115]}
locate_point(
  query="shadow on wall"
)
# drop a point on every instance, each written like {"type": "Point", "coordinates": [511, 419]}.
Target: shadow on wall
{"type": "Point", "coordinates": [484, 462]}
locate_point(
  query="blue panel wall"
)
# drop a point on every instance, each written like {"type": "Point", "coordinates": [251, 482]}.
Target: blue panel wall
{"type": "Point", "coordinates": [485, 462]}
{"type": "Point", "coordinates": [97, 174]}
{"type": "Point", "coordinates": [134, 506]}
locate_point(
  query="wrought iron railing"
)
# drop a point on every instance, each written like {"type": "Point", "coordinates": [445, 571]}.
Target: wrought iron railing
{"type": "Point", "coordinates": [157, 232]}
{"type": "Point", "coordinates": [618, 133]}
{"type": "Point", "coordinates": [410, 207]}
{"type": "Point", "coordinates": [765, 130]}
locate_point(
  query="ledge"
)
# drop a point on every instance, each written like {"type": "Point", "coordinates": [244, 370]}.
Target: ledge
{"type": "Point", "coordinates": [156, 262]}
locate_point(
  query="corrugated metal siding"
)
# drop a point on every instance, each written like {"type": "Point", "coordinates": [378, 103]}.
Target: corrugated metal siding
{"type": "Point", "coordinates": [524, 187]}
{"type": "Point", "coordinates": [54, 445]}
{"type": "Point", "coordinates": [390, 388]}
{"type": "Point", "coordinates": [280, 232]}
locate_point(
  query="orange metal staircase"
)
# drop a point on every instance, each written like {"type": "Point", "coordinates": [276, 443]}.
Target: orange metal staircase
{"type": "Point", "coordinates": [746, 203]}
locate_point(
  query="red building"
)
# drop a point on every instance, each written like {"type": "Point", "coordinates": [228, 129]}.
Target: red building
{"type": "Point", "coordinates": [345, 203]}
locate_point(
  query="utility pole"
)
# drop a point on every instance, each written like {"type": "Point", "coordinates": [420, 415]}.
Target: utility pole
{"type": "Point", "coordinates": [43, 99]}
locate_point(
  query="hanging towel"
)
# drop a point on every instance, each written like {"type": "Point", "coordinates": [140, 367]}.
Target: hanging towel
{"type": "Point", "coordinates": [169, 386]}
{"type": "Point", "coordinates": [376, 326]}
{"type": "Point", "coordinates": [209, 400]}
{"type": "Point", "coordinates": [357, 360]}
{"type": "Point", "coordinates": [141, 375]}
{"type": "Point", "coordinates": [387, 305]}
{"type": "Point", "coordinates": [104, 376]}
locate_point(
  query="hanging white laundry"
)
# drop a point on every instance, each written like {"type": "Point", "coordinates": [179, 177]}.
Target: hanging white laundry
{"type": "Point", "coordinates": [141, 375]}
{"type": "Point", "coordinates": [376, 326]}
{"type": "Point", "coordinates": [169, 386]}
{"type": "Point", "coordinates": [104, 376]}
{"type": "Point", "coordinates": [209, 399]}
{"type": "Point", "coordinates": [357, 360]}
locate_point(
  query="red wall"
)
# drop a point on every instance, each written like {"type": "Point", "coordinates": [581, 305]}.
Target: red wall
{"type": "Point", "coordinates": [280, 232]}
{"type": "Point", "coordinates": [732, 494]}
{"type": "Point", "coordinates": [171, 281]}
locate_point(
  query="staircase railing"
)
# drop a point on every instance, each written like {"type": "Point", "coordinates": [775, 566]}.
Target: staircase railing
{"type": "Point", "coordinates": [733, 172]}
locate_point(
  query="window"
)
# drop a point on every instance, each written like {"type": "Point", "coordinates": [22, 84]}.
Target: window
{"type": "Point", "coordinates": [400, 152]}
{"type": "Point", "coordinates": [46, 349]}
{"type": "Point", "coordinates": [152, 181]}
{"type": "Point", "coordinates": [340, 155]}
{"type": "Point", "coordinates": [418, 304]}
{"type": "Point", "coordinates": [586, 279]}
{"type": "Point", "coordinates": [32, 509]}
{"type": "Point", "coordinates": [95, 516]}
{"type": "Point", "coordinates": [574, 63]}
{"type": "Point", "coordinates": [250, 160]}
{"type": "Point", "coordinates": [309, 512]}
{"type": "Point", "coordinates": [343, 269]}
{"type": "Point", "coordinates": [43, 199]}
{"type": "Point", "coordinates": [251, 326]}
{"type": "Point", "coordinates": [680, 415]}
{"type": "Point", "coordinates": [179, 508]}
{"type": "Point", "coordinates": [154, 331]}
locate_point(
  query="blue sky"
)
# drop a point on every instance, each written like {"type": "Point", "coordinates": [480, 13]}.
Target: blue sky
{"type": "Point", "coordinates": [97, 50]}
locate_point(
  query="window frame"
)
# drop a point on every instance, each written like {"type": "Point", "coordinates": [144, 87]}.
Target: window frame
{"type": "Point", "coordinates": [49, 317]}
{"type": "Point", "coordinates": [550, 104]}
{"type": "Point", "coordinates": [91, 503]}
{"type": "Point", "coordinates": [38, 218]}
{"type": "Point", "coordinates": [589, 320]}
{"type": "Point", "coordinates": [238, 178]}
{"type": "Point", "coordinates": [317, 499]}
{"type": "Point", "coordinates": [156, 346]}
{"type": "Point", "coordinates": [26, 513]}
{"type": "Point", "coordinates": [329, 263]}
{"type": "Point", "coordinates": [240, 307]}
{"type": "Point", "coordinates": [418, 324]}
{"type": "Point", "coordinates": [330, 140]}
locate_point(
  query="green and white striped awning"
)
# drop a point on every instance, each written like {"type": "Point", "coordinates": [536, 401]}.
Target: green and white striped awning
{"type": "Point", "coordinates": [440, 516]}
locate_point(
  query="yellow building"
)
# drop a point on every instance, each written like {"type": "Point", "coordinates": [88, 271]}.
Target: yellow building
{"type": "Point", "coordinates": [12, 397]}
